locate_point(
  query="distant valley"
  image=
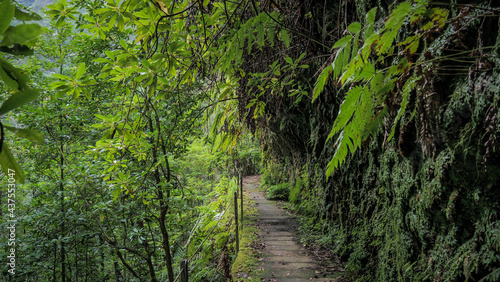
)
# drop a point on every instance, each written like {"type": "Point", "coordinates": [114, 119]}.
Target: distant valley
{"type": "Point", "coordinates": [35, 5]}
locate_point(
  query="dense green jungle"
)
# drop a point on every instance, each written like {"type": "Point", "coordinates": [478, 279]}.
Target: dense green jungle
{"type": "Point", "coordinates": [125, 125]}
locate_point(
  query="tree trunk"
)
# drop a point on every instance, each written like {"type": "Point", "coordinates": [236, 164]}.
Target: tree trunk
{"type": "Point", "coordinates": [63, 226]}
{"type": "Point", "coordinates": [166, 244]}
{"type": "Point", "coordinates": [150, 262]}
{"type": "Point", "coordinates": [163, 202]}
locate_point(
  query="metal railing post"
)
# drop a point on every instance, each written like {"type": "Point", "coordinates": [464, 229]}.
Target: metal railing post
{"type": "Point", "coordinates": [184, 271]}
{"type": "Point", "coordinates": [236, 221]}
{"type": "Point", "coordinates": [241, 194]}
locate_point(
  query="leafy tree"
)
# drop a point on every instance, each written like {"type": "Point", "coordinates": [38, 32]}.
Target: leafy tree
{"type": "Point", "coordinates": [17, 40]}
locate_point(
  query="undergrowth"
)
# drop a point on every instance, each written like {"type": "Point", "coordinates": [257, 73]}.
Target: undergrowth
{"type": "Point", "coordinates": [278, 192]}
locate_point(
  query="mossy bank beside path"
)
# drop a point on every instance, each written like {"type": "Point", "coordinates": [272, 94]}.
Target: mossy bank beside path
{"type": "Point", "coordinates": [270, 250]}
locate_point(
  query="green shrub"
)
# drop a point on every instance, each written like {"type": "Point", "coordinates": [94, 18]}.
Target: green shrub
{"type": "Point", "coordinates": [273, 175]}
{"type": "Point", "coordinates": [278, 192]}
{"type": "Point", "coordinates": [295, 191]}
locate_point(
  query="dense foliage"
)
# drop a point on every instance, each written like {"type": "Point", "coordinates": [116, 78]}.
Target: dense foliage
{"type": "Point", "coordinates": [126, 184]}
{"type": "Point", "coordinates": [378, 120]}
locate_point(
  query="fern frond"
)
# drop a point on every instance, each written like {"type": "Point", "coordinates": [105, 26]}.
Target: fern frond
{"type": "Point", "coordinates": [370, 23]}
{"type": "Point", "coordinates": [261, 33]}
{"type": "Point", "coordinates": [363, 110]}
{"type": "Point", "coordinates": [354, 27]}
{"type": "Point", "coordinates": [342, 42]}
{"type": "Point", "coordinates": [320, 82]}
{"type": "Point", "coordinates": [339, 156]}
{"type": "Point", "coordinates": [285, 37]}
{"type": "Point", "coordinates": [439, 16]}
{"type": "Point", "coordinates": [347, 109]}
{"type": "Point", "coordinates": [407, 88]}
{"type": "Point", "coordinates": [392, 27]}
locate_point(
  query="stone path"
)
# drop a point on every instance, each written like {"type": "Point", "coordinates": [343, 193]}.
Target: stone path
{"type": "Point", "coordinates": [284, 258]}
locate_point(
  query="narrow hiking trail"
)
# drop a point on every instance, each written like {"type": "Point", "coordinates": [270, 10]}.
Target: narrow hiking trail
{"type": "Point", "coordinates": [283, 258]}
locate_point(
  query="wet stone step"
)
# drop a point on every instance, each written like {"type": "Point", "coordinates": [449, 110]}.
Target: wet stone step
{"type": "Point", "coordinates": [275, 228]}
{"type": "Point", "coordinates": [276, 266]}
{"type": "Point", "coordinates": [276, 222]}
{"type": "Point", "coordinates": [291, 259]}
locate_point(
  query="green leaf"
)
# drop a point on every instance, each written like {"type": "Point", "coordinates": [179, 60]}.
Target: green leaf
{"type": "Point", "coordinates": [339, 156]}
{"type": "Point", "coordinates": [21, 34]}
{"type": "Point", "coordinates": [407, 88]}
{"type": "Point", "coordinates": [110, 54]}
{"type": "Point", "coordinates": [8, 163]}
{"type": "Point", "coordinates": [342, 42]}
{"type": "Point", "coordinates": [102, 60]}
{"type": "Point", "coordinates": [285, 37]}
{"type": "Point", "coordinates": [367, 72]}
{"type": "Point", "coordinates": [337, 64]}
{"type": "Point", "coordinates": [26, 15]}
{"type": "Point", "coordinates": [121, 24]}
{"type": "Point", "coordinates": [346, 52]}
{"type": "Point", "coordinates": [29, 134]}
{"type": "Point", "coordinates": [320, 82]}
{"type": "Point", "coordinates": [354, 65]}
{"type": "Point", "coordinates": [61, 76]}
{"type": "Point", "coordinates": [397, 16]}
{"type": "Point", "coordinates": [347, 109]}
{"type": "Point", "coordinates": [288, 60]}
{"type": "Point", "coordinates": [370, 23]}
{"type": "Point", "coordinates": [19, 99]}
{"type": "Point", "coordinates": [375, 122]}
{"type": "Point", "coordinates": [12, 76]}
{"type": "Point", "coordinates": [102, 35]}
{"type": "Point", "coordinates": [210, 225]}
{"type": "Point", "coordinates": [260, 35]}
{"type": "Point", "coordinates": [412, 47]}
{"type": "Point", "coordinates": [392, 27]}
{"type": "Point", "coordinates": [112, 21]}
{"type": "Point", "coordinates": [354, 27]}
{"type": "Point", "coordinates": [17, 50]}
{"type": "Point", "coordinates": [123, 44]}
{"type": "Point", "coordinates": [8, 79]}
{"type": "Point", "coordinates": [355, 46]}
{"type": "Point", "coordinates": [412, 43]}
{"type": "Point", "coordinates": [80, 71]}
{"type": "Point", "coordinates": [439, 16]}
{"type": "Point", "coordinates": [102, 10]}
{"type": "Point", "coordinates": [104, 118]}
{"type": "Point", "coordinates": [8, 10]}
{"type": "Point", "coordinates": [59, 85]}
{"type": "Point", "coordinates": [270, 36]}
{"type": "Point", "coordinates": [300, 58]}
